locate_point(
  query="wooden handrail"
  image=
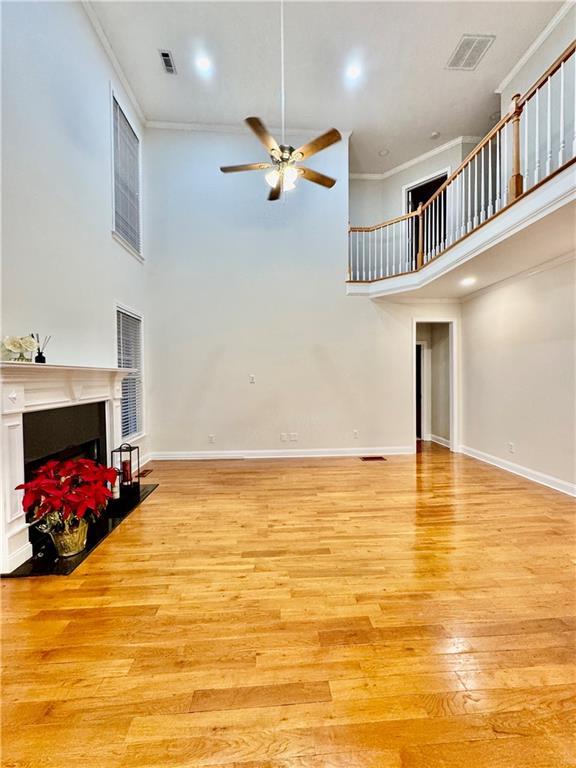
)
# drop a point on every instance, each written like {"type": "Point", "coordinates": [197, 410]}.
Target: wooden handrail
{"type": "Point", "coordinates": [491, 133]}
{"type": "Point", "coordinates": [549, 72]}
{"type": "Point", "coordinates": [468, 159]}
{"type": "Point", "coordinates": [515, 185]}
{"type": "Point", "coordinates": [385, 223]}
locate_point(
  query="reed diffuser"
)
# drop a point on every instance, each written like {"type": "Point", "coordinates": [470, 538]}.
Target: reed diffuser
{"type": "Point", "coordinates": [40, 357]}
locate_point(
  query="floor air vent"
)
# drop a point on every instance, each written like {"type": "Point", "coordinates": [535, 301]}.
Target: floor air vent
{"type": "Point", "coordinates": [372, 458]}
{"type": "Point", "coordinates": [470, 51]}
{"type": "Point", "coordinates": [168, 62]}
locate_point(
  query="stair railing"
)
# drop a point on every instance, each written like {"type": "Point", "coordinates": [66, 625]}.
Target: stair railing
{"type": "Point", "coordinates": [529, 145]}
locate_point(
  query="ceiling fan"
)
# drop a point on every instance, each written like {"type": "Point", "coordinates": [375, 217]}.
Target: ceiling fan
{"type": "Point", "coordinates": [283, 158]}
{"type": "Point", "coordinates": [283, 171]}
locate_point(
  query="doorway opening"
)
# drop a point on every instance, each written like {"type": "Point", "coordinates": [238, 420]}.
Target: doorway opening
{"type": "Point", "coordinates": [434, 382]}
{"type": "Point", "coordinates": [419, 192]}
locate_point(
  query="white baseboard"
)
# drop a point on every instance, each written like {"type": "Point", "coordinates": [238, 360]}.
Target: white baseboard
{"type": "Point", "coordinates": [530, 474]}
{"type": "Point", "coordinates": [440, 440]}
{"type": "Point", "coordinates": [296, 453]}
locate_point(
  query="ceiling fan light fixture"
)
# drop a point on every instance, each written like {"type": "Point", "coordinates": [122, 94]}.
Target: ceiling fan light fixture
{"type": "Point", "coordinates": [289, 176]}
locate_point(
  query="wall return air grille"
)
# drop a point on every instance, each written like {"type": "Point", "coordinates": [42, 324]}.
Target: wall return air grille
{"type": "Point", "coordinates": [470, 51]}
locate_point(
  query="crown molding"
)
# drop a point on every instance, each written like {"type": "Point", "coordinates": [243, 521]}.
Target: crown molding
{"type": "Point", "coordinates": [415, 160]}
{"type": "Point", "coordinates": [167, 125]}
{"type": "Point", "coordinates": [105, 43]}
{"type": "Point", "coordinates": [540, 40]}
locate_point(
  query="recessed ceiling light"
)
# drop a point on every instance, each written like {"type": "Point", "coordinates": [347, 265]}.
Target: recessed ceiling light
{"type": "Point", "coordinates": [467, 281]}
{"type": "Point", "coordinates": [203, 65]}
{"type": "Point", "coordinates": [435, 135]}
{"type": "Point", "coordinates": [353, 73]}
{"type": "Point", "coordinates": [384, 152]}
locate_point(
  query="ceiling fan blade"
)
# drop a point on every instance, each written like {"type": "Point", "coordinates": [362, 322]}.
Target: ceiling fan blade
{"type": "Point", "coordinates": [262, 133]}
{"type": "Point", "coordinates": [276, 191]}
{"type": "Point", "coordinates": [316, 145]}
{"type": "Point", "coordinates": [246, 167]}
{"type": "Point", "coordinates": [317, 178]}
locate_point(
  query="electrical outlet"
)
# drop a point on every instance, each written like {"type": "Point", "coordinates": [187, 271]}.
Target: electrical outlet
{"type": "Point", "coordinates": [355, 434]}
{"type": "Point", "coordinates": [293, 437]}
{"type": "Point", "coordinates": [284, 437]}
{"type": "Point", "coordinates": [252, 379]}
{"type": "Point", "coordinates": [511, 448]}
{"type": "Point", "coordinates": [211, 438]}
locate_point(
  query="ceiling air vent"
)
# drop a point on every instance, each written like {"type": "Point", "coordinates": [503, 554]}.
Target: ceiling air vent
{"type": "Point", "coordinates": [168, 62]}
{"type": "Point", "coordinates": [469, 51]}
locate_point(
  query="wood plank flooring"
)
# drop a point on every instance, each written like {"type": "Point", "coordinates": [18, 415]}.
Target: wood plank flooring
{"type": "Point", "coordinates": [414, 613]}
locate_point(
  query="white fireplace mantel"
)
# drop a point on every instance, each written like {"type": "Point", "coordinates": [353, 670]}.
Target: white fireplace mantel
{"type": "Point", "coordinates": [29, 387]}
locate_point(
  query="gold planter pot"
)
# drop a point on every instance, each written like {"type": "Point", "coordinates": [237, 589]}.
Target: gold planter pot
{"type": "Point", "coordinates": [71, 540]}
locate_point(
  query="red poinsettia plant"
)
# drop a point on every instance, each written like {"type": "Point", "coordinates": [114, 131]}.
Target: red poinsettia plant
{"type": "Point", "coordinates": [64, 492]}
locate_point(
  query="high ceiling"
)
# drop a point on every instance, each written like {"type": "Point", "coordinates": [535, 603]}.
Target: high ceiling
{"type": "Point", "coordinates": [402, 92]}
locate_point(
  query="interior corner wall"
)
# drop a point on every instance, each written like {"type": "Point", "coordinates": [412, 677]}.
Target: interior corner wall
{"type": "Point", "coordinates": [556, 42]}
{"type": "Point", "coordinates": [518, 382]}
{"type": "Point", "coordinates": [242, 287]}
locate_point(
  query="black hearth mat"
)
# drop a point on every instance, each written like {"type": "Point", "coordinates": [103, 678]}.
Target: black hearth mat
{"type": "Point", "coordinates": [47, 563]}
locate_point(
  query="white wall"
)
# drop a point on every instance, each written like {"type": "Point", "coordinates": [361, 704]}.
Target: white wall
{"type": "Point", "coordinates": [241, 287]}
{"type": "Point", "coordinates": [518, 372]}
{"type": "Point", "coordinates": [541, 58]}
{"type": "Point", "coordinates": [376, 200]}
{"type": "Point", "coordinates": [440, 370]}
{"type": "Point", "coordinates": [62, 271]}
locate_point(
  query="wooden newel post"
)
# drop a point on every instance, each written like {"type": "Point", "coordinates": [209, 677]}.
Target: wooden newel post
{"type": "Point", "coordinates": [420, 254]}
{"type": "Point", "coordinates": [516, 184]}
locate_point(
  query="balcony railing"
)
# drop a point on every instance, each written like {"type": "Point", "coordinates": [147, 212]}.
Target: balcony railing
{"type": "Point", "coordinates": [529, 145]}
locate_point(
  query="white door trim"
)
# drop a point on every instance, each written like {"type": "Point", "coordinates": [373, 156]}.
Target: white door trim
{"type": "Point", "coordinates": [426, 386]}
{"type": "Point", "coordinates": [407, 187]}
{"type": "Point", "coordinates": [454, 331]}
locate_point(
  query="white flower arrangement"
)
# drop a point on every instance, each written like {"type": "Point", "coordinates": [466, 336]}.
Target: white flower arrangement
{"type": "Point", "coordinates": [19, 347]}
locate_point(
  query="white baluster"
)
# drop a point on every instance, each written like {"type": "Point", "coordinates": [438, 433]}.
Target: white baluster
{"type": "Point", "coordinates": [371, 254]}
{"type": "Point", "coordinates": [483, 181]}
{"type": "Point", "coordinates": [498, 177]}
{"type": "Point", "coordinates": [537, 137]}
{"type": "Point", "coordinates": [387, 251]}
{"type": "Point", "coordinates": [381, 252]}
{"type": "Point", "coordinates": [505, 165]}
{"type": "Point", "coordinates": [561, 145]}
{"type": "Point", "coordinates": [393, 249]}
{"type": "Point", "coordinates": [470, 219]}
{"type": "Point", "coordinates": [364, 255]}
{"type": "Point", "coordinates": [427, 251]}
{"type": "Point", "coordinates": [490, 210]}
{"type": "Point", "coordinates": [526, 117]}
{"type": "Point", "coordinates": [548, 127]}
{"type": "Point", "coordinates": [475, 219]}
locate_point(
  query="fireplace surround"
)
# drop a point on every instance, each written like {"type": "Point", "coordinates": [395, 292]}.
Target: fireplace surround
{"type": "Point", "coordinates": [39, 393]}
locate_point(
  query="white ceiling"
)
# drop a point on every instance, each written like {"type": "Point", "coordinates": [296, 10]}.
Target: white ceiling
{"type": "Point", "coordinates": [404, 94]}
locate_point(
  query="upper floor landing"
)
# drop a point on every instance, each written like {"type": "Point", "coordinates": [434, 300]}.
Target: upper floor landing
{"type": "Point", "coordinates": [508, 207]}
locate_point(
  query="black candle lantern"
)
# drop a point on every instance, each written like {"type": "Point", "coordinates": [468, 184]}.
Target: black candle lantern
{"type": "Point", "coordinates": [126, 460]}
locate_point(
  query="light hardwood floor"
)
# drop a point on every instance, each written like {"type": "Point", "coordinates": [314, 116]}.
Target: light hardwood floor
{"type": "Point", "coordinates": [417, 612]}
